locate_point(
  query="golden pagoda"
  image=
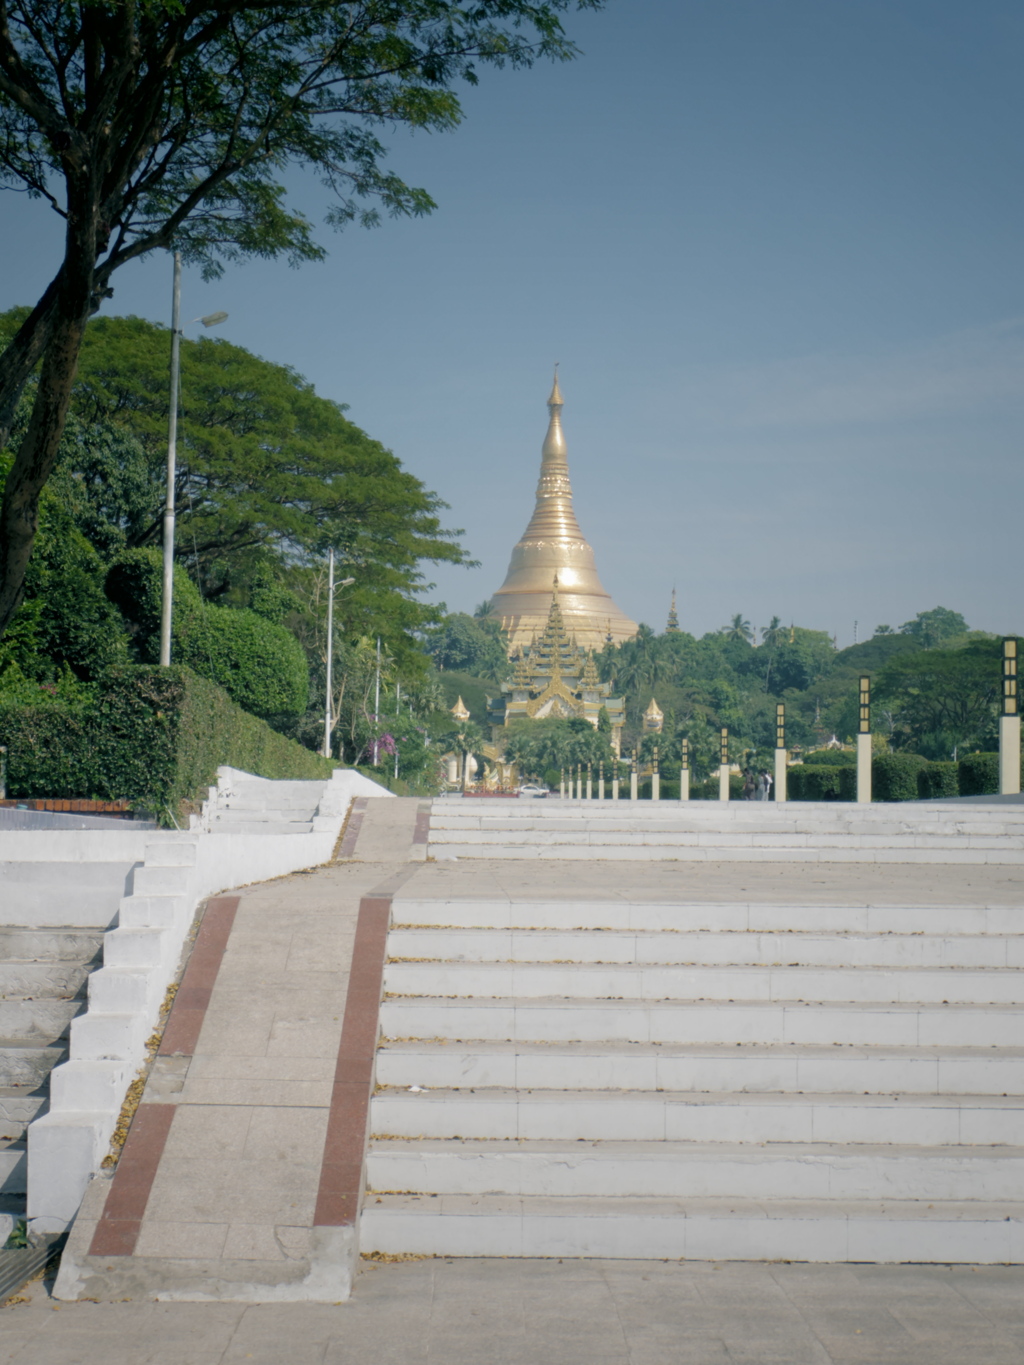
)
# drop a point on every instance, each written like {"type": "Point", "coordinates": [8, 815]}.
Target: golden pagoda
{"type": "Point", "coordinates": [553, 545]}
{"type": "Point", "coordinates": [555, 676]}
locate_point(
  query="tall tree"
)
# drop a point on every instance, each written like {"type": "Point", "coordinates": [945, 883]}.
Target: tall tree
{"type": "Point", "coordinates": [933, 628]}
{"type": "Point", "coordinates": [173, 123]}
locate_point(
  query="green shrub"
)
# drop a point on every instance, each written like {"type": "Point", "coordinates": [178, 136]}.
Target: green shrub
{"type": "Point", "coordinates": [708, 790]}
{"type": "Point", "coordinates": [938, 780]}
{"type": "Point", "coordinates": [153, 736]}
{"type": "Point", "coordinates": [979, 774]}
{"type": "Point", "coordinates": [821, 782]}
{"type": "Point", "coordinates": [833, 758]}
{"type": "Point", "coordinates": [894, 777]}
{"type": "Point", "coordinates": [260, 664]}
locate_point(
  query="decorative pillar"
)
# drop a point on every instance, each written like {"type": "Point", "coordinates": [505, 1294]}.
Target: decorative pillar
{"type": "Point", "coordinates": [600, 780]}
{"type": "Point", "coordinates": [780, 751]}
{"type": "Point", "coordinates": [723, 771]}
{"type": "Point", "coordinates": [561, 786]}
{"type": "Point", "coordinates": [615, 780]}
{"type": "Point", "coordinates": [590, 782]}
{"type": "Point", "coordinates": [1009, 724]}
{"type": "Point", "coordinates": [632, 778]}
{"type": "Point", "coordinates": [655, 778]}
{"type": "Point", "coordinates": [684, 773]}
{"type": "Point", "coordinates": [864, 741]}
{"type": "Point", "coordinates": [579, 783]}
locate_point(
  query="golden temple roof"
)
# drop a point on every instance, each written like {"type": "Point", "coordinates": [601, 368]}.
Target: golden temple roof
{"type": "Point", "coordinates": [553, 545]}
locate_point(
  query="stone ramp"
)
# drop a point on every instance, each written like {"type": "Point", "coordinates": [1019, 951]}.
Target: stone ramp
{"type": "Point", "coordinates": [381, 830]}
{"type": "Point", "coordinates": [240, 1176]}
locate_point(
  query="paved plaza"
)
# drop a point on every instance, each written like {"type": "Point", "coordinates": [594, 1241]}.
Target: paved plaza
{"type": "Point", "coordinates": [479, 1312]}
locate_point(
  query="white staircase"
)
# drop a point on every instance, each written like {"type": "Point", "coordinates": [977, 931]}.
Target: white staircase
{"type": "Point", "coordinates": [721, 1081]}
{"type": "Point", "coordinates": [252, 805]}
{"type": "Point", "coordinates": [729, 831]}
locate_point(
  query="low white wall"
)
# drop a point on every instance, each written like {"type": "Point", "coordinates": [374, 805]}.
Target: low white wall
{"type": "Point", "coordinates": [140, 960]}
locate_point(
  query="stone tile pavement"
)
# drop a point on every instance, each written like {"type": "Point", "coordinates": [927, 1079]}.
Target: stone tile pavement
{"type": "Point", "coordinates": [481, 1312]}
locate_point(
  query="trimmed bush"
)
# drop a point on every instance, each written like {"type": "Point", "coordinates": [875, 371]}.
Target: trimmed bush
{"type": "Point", "coordinates": [894, 777]}
{"type": "Point", "coordinates": [979, 774]}
{"type": "Point", "coordinates": [938, 780]}
{"type": "Point", "coordinates": [821, 782]}
{"type": "Point", "coordinates": [260, 664]}
{"type": "Point", "coordinates": [833, 758]}
{"type": "Point", "coordinates": [154, 736]}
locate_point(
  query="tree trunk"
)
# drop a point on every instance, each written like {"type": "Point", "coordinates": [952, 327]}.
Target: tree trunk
{"type": "Point", "coordinates": [37, 455]}
{"type": "Point", "coordinates": [24, 353]}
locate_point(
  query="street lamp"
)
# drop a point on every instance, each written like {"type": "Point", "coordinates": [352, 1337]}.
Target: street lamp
{"type": "Point", "coordinates": [211, 320]}
{"type": "Point", "coordinates": [330, 648]}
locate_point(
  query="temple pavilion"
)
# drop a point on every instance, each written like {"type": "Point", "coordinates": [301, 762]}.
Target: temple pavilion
{"type": "Point", "coordinates": [551, 545]}
{"type": "Point", "coordinates": [556, 676]}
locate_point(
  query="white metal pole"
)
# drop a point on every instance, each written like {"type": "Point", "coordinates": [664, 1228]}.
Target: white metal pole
{"type": "Point", "coordinates": [330, 654]}
{"type": "Point", "coordinates": [376, 704]}
{"type": "Point", "coordinates": [172, 456]}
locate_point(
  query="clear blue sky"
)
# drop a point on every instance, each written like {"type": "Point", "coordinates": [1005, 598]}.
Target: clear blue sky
{"type": "Point", "coordinates": [776, 247]}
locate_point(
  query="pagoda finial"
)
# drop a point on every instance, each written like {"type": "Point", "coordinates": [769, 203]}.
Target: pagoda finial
{"type": "Point", "coordinates": [555, 401]}
{"type": "Point", "coordinates": [673, 616]}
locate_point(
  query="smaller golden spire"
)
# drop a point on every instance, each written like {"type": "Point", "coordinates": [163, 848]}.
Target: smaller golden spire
{"type": "Point", "coordinates": [588, 678]}
{"type": "Point", "coordinates": [459, 710]}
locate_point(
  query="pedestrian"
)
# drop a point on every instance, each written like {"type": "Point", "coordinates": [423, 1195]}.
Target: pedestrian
{"type": "Point", "coordinates": [748, 785]}
{"type": "Point", "coordinates": [759, 786]}
{"type": "Point", "coordinates": [768, 779]}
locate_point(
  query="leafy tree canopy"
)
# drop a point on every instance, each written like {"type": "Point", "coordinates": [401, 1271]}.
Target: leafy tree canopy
{"type": "Point", "coordinates": [173, 124]}
{"type": "Point", "coordinates": [933, 628]}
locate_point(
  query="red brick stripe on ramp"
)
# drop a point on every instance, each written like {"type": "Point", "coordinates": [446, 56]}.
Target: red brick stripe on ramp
{"type": "Point", "coordinates": [190, 1004]}
{"type": "Point", "coordinates": [352, 828]}
{"type": "Point", "coordinates": [341, 1175]}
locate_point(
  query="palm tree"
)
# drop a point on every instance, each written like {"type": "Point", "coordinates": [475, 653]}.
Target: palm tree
{"type": "Point", "coordinates": [738, 629]}
{"type": "Point", "coordinates": [772, 633]}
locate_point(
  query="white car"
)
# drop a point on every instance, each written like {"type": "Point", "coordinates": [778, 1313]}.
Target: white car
{"type": "Point", "coordinates": [532, 789]}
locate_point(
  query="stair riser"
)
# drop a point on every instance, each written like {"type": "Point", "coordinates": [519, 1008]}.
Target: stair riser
{"type": "Point", "coordinates": [707, 949]}
{"type": "Point", "coordinates": [725, 1175]}
{"type": "Point", "coordinates": [48, 945]}
{"type": "Point", "coordinates": [740, 1238]}
{"type": "Point", "coordinates": [28, 1066]}
{"type": "Point", "coordinates": [720, 1024]}
{"type": "Point", "coordinates": [13, 1171]}
{"type": "Point", "coordinates": [451, 1068]}
{"type": "Point", "coordinates": [37, 1020]}
{"type": "Point", "coordinates": [632, 1120]}
{"type": "Point", "coordinates": [41, 980]}
{"type": "Point", "coordinates": [16, 1113]}
{"type": "Point", "coordinates": [587, 982]}
{"type": "Point", "coordinates": [997, 857]}
{"type": "Point", "coordinates": [714, 918]}
{"type": "Point", "coordinates": [623, 839]}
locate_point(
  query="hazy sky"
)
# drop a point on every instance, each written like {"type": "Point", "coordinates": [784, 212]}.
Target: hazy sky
{"type": "Point", "coordinates": [776, 247]}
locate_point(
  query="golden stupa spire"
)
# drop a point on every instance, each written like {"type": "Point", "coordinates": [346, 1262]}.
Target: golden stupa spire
{"type": "Point", "coordinates": [554, 544]}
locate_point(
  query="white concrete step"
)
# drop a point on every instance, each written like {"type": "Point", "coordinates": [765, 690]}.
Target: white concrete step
{"type": "Point", "coordinates": [727, 1229]}
{"type": "Point", "coordinates": [998, 856]}
{"type": "Point", "coordinates": [13, 1165]}
{"type": "Point", "coordinates": [268, 828]}
{"type": "Point", "coordinates": [748, 948]}
{"type": "Point", "coordinates": [18, 1107]}
{"type": "Point", "coordinates": [621, 1066]}
{"type": "Point", "coordinates": [42, 980]}
{"type": "Point", "coordinates": [609, 836]}
{"type": "Point", "coordinates": [644, 1116]}
{"type": "Point", "coordinates": [26, 1064]}
{"type": "Point", "coordinates": [595, 982]}
{"type": "Point", "coordinates": [49, 945]}
{"type": "Point", "coordinates": [784, 917]}
{"type": "Point", "coordinates": [717, 814]}
{"type": "Point", "coordinates": [655, 1021]}
{"type": "Point", "coordinates": [684, 1170]}
{"type": "Point", "coordinates": [43, 1021]}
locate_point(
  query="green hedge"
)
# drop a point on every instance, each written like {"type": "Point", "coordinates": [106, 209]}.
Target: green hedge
{"type": "Point", "coordinates": [938, 780]}
{"type": "Point", "coordinates": [833, 758]}
{"type": "Point", "coordinates": [979, 774]}
{"type": "Point", "coordinates": [153, 736]}
{"type": "Point", "coordinates": [821, 782]}
{"type": "Point", "coordinates": [894, 777]}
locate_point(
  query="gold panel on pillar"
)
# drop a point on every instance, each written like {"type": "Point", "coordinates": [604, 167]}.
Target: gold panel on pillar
{"type": "Point", "coordinates": [554, 546]}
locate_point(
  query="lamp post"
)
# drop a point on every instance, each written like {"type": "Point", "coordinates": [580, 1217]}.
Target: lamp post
{"type": "Point", "coordinates": [864, 741]}
{"type": "Point", "coordinates": [655, 777]}
{"type": "Point", "coordinates": [684, 772]}
{"type": "Point", "coordinates": [780, 751]}
{"type": "Point", "coordinates": [723, 769]}
{"type": "Point", "coordinates": [1009, 723]}
{"type": "Point", "coordinates": [632, 778]}
{"type": "Point", "coordinates": [328, 726]}
{"type": "Point", "coordinates": [211, 320]}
